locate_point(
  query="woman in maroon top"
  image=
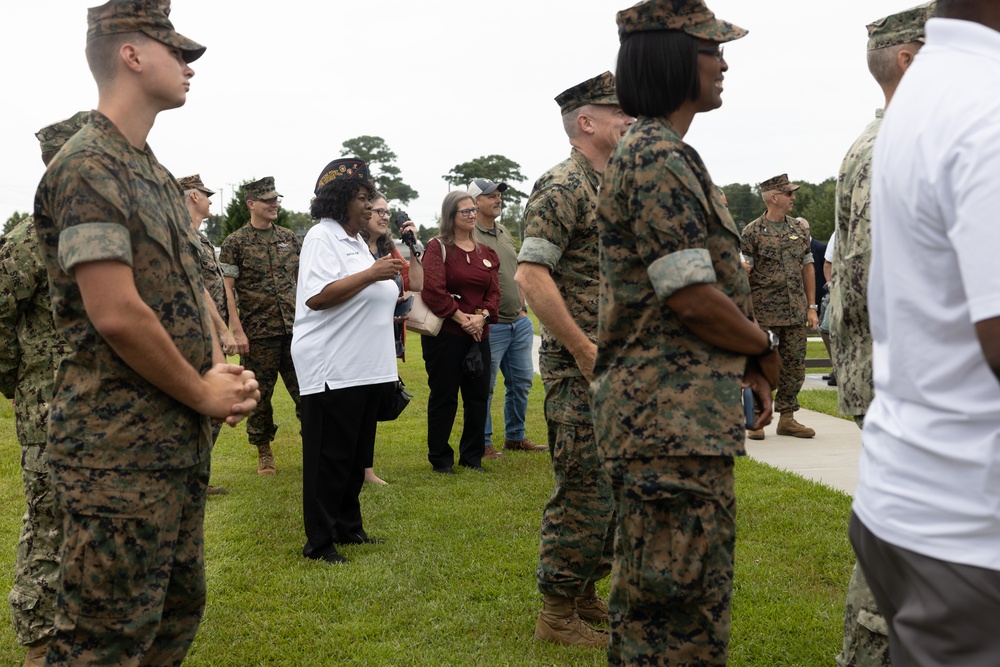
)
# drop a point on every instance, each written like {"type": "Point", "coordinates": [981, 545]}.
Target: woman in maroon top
{"type": "Point", "coordinates": [461, 285]}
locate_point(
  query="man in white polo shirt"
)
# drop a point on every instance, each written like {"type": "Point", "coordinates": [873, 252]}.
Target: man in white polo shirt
{"type": "Point", "coordinates": [926, 524]}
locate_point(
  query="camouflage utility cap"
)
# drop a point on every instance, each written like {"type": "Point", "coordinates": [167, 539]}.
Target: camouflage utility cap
{"type": "Point", "coordinates": [779, 183]}
{"type": "Point", "coordinates": [599, 90]}
{"type": "Point", "coordinates": [52, 137]}
{"type": "Point", "coordinates": [194, 183]}
{"type": "Point", "coordinates": [345, 169]}
{"type": "Point", "coordinates": [149, 17]}
{"type": "Point", "coordinates": [688, 16]}
{"type": "Point", "coordinates": [901, 28]}
{"type": "Point", "coordinates": [262, 189]}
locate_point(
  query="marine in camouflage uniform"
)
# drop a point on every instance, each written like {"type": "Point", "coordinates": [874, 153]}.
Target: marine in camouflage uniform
{"type": "Point", "coordinates": [196, 197]}
{"type": "Point", "coordinates": [782, 282]}
{"type": "Point", "coordinates": [850, 331]}
{"type": "Point", "coordinates": [29, 355]}
{"type": "Point", "coordinates": [260, 263]}
{"type": "Point", "coordinates": [866, 640]}
{"type": "Point", "coordinates": [211, 271]}
{"type": "Point", "coordinates": [129, 464]}
{"type": "Point", "coordinates": [559, 259]}
{"type": "Point", "coordinates": [666, 403]}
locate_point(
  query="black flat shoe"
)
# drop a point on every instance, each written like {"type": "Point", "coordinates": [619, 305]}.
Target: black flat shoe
{"type": "Point", "coordinates": [445, 471]}
{"type": "Point", "coordinates": [358, 539]}
{"type": "Point", "coordinates": [477, 468]}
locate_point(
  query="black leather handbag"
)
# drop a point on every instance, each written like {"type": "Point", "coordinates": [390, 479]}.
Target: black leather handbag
{"type": "Point", "coordinates": [394, 402]}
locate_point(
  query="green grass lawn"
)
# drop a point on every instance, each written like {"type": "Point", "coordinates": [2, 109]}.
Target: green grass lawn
{"type": "Point", "coordinates": [454, 584]}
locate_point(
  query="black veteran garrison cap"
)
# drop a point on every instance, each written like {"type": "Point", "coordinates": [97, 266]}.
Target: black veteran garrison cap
{"type": "Point", "coordinates": [194, 183]}
{"type": "Point", "coordinates": [688, 16]}
{"type": "Point", "coordinates": [344, 169]}
{"type": "Point", "coordinates": [779, 183]}
{"type": "Point", "coordinates": [52, 137]}
{"type": "Point", "coordinates": [262, 189]}
{"type": "Point", "coordinates": [900, 28]}
{"type": "Point", "coordinates": [146, 16]}
{"type": "Point", "coordinates": [599, 90]}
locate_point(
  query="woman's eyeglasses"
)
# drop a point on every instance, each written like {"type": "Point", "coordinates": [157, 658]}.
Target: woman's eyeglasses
{"type": "Point", "coordinates": [382, 212]}
{"type": "Point", "coordinates": [468, 212]}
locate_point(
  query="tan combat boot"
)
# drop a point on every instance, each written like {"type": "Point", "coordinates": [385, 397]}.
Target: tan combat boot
{"type": "Point", "coordinates": [591, 608]}
{"type": "Point", "coordinates": [560, 624]}
{"type": "Point", "coordinates": [788, 426]}
{"type": "Point", "coordinates": [36, 654]}
{"type": "Point", "coordinates": [755, 433]}
{"type": "Point", "coordinates": [265, 460]}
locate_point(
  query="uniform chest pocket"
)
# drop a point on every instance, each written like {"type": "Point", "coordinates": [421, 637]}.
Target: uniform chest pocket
{"type": "Point", "coordinates": [157, 228]}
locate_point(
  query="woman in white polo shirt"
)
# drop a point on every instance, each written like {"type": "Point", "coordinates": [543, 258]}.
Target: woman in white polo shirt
{"type": "Point", "coordinates": [344, 354]}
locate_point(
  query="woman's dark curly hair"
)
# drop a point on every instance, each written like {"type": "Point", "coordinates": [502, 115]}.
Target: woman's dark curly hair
{"type": "Point", "coordinates": [332, 200]}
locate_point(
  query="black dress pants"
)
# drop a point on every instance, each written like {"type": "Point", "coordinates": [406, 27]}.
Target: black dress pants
{"type": "Point", "coordinates": [338, 437]}
{"type": "Point", "coordinates": [443, 357]}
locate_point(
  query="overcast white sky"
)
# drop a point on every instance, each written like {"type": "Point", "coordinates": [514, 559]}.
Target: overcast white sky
{"type": "Point", "coordinates": [285, 82]}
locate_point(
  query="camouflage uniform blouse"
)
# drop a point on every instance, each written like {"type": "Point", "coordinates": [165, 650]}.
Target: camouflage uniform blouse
{"type": "Point", "coordinates": [103, 199]}
{"type": "Point", "coordinates": [30, 350]}
{"type": "Point", "coordinates": [777, 253]}
{"type": "Point", "coordinates": [265, 274]}
{"type": "Point", "coordinates": [658, 389]}
{"type": "Point", "coordinates": [850, 330]}
{"type": "Point", "coordinates": [211, 273]}
{"type": "Point", "coordinates": [560, 228]}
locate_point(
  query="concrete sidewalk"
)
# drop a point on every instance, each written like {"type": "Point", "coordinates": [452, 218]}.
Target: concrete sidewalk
{"type": "Point", "coordinates": [830, 458]}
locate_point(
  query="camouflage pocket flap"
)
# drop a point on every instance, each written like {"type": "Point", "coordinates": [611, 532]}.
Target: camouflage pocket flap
{"type": "Point", "coordinates": [21, 601]}
{"type": "Point", "coordinates": [873, 621]}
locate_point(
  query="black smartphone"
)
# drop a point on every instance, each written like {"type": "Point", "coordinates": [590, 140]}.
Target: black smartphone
{"type": "Point", "coordinates": [748, 406]}
{"type": "Point", "coordinates": [404, 306]}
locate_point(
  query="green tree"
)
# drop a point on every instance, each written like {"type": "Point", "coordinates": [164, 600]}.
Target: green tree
{"type": "Point", "coordinates": [14, 220]}
{"type": "Point", "coordinates": [213, 228]}
{"type": "Point", "coordinates": [818, 208]}
{"type": "Point", "coordinates": [237, 213]}
{"type": "Point", "coordinates": [300, 222]}
{"type": "Point", "coordinates": [513, 220]}
{"type": "Point", "coordinates": [496, 168]}
{"type": "Point", "coordinates": [382, 166]}
{"type": "Point", "coordinates": [745, 203]}
{"type": "Point", "coordinates": [425, 234]}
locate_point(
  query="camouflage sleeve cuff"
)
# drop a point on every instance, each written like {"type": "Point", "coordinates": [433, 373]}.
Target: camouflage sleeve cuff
{"type": "Point", "coordinates": [808, 259]}
{"type": "Point", "coordinates": [229, 270]}
{"type": "Point", "coordinates": [539, 251]}
{"type": "Point", "coordinates": [677, 270]}
{"type": "Point", "coordinates": [94, 242]}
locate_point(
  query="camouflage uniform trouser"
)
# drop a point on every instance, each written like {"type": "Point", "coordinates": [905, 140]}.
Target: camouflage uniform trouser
{"type": "Point", "coordinates": [578, 523]}
{"type": "Point", "coordinates": [792, 349]}
{"type": "Point", "coordinates": [36, 577]}
{"type": "Point", "coordinates": [267, 358]}
{"type": "Point", "coordinates": [866, 634]}
{"type": "Point", "coordinates": [132, 590]}
{"type": "Point", "coordinates": [672, 582]}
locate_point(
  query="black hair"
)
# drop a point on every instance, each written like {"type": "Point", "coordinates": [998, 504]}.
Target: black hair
{"type": "Point", "coordinates": [332, 200]}
{"type": "Point", "coordinates": [657, 72]}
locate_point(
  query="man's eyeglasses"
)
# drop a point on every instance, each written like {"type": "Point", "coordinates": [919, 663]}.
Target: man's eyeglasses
{"type": "Point", "coordinates": [382, 212]}
{"type": "Point", "coordinates": [716, 51]}
{"type": "Point", "coordinates": [468, 212]}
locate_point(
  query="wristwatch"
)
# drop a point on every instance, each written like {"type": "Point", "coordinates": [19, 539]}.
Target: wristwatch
{"type": "Point", "coordinates": [814, 307]}
{"type": "Point", "coordinates": [772, 340]}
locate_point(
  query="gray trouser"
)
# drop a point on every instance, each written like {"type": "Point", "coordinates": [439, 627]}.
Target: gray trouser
{"type": "Point", "coordinates": [939, 614]}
